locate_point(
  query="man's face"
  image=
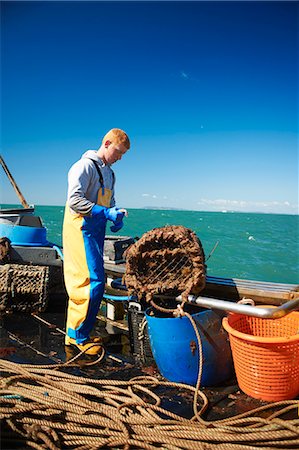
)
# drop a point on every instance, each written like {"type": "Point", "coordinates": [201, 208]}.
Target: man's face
{"type": "Point", "coordinates": [113, 152]}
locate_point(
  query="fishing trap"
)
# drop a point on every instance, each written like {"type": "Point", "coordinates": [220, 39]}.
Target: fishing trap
{"type": "Point", "coordinates": [23, 288]}
{"type": "Point", "coordinates": [168, 261]}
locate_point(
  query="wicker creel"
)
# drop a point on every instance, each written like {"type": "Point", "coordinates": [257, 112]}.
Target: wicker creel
{"type": "Point", "coordinates": [169, 260]}
{"type": "Point", "coordinates": [23, 288]}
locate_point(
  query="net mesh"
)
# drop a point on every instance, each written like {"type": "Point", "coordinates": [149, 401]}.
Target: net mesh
{"type": "Point", "coordinates": [168, 260]}
{"type": "Point", "coordinates": [23, 288]}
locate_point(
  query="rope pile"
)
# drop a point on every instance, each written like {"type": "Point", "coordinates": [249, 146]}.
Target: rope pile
{"type": "Point", "coordinates": [168, 260]}
{"type": "Point", "coordinates": [51, 409]}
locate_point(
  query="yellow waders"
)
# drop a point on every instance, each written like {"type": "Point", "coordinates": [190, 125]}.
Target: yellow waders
{"type": "Point", "coordinates": [83, 246]}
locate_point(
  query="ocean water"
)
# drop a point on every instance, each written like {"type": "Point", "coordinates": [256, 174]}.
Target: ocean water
{"type": "Point", "coordinates": [254, 246]}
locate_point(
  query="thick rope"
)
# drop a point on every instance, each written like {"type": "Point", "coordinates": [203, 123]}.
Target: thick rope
{"type": "Point", "coordinates": [51, 409]}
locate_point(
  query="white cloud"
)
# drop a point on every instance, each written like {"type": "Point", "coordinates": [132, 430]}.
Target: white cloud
{"type": "Point", "coordinates": [149, 195]}
{"type": "Point", "coordinates": [184, 75]}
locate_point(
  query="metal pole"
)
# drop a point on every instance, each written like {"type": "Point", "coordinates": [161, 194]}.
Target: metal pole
{"type": "Point", "coordinates": [14, 184]}
{"type": "Point", "coordinates": [262, 312]}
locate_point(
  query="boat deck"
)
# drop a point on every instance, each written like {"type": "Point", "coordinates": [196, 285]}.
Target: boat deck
{"type": "Point", "coordinates": [38, 339]}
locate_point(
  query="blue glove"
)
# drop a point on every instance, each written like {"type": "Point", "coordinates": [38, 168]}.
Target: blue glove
{"type": "Point", "coordinates": [114, 214]}
{"type": "Point", "coordinates": [99, 212]}
{"type": "Point", "coordinates": [116, 228]}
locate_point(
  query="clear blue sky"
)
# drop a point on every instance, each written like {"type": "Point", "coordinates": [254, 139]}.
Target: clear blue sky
{"type": "Point", "coordinates": [207, 91]}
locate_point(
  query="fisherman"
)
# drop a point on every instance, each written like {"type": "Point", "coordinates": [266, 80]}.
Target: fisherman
{"type": "Point", "coordinates": [90, 203]}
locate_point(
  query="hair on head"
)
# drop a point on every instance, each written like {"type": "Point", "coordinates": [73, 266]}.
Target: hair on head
{"type": "Point", "coordinates": [117, 136]}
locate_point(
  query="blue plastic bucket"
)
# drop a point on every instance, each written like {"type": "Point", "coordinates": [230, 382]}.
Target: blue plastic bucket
{"type": "Point", "coordinates": [22, 235]}
{"type": "Point", "coordinates": [175, 348]}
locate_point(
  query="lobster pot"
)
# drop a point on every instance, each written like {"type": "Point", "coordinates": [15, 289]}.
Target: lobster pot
{"type": "Point", "coordinates": [138, 334]}
{"type": "Point", "coordinates": [168, 260]}
{"type": "Point", "coordinates": [176, 349]}
{"type": "Point", "coordinates": [266, 355]}
{"type": "Point", "coordinates": [23, 288]}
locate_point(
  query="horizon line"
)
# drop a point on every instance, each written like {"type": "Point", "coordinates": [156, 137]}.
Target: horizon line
{"type": "Point", "coordinates": [164, 208]}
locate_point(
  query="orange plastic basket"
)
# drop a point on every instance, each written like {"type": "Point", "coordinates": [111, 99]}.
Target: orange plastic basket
{"type": "Point", "coordinates": [266, 355]}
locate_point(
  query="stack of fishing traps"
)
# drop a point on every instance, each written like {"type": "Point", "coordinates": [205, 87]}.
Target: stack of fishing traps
{"type": "Point", "coordinates": [168, 261]}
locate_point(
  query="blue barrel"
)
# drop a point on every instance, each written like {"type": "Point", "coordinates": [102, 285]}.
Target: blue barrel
{"type": "Point", "coordinates": [175, 348]}
{"type": "Point", "coordinates": [23, 235]}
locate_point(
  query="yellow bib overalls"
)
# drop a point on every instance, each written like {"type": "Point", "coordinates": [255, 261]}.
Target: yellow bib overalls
{"type": "Point", "coordinates": [84, 276]}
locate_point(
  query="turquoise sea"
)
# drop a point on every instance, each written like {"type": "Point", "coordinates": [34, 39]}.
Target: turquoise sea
{"type": "Point", "coordinates": [253, 246]}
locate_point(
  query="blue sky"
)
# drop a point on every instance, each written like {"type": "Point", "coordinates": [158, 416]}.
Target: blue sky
{"type": "Point", "coordinates": [207, 91]}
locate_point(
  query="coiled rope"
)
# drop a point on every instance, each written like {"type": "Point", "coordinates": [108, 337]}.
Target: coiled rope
{"type": "Point", "coordinates": [51, 409]}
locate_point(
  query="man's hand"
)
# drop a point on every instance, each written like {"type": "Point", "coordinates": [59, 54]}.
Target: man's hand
{"type": "Point", "coordinates": [116, 228]}
{"type": "Point", "coordinates": [98, 211]}
{"type": "Point", "coordinates": [116, 215]}
{"type": "Point", "coordinates": [117, 218]}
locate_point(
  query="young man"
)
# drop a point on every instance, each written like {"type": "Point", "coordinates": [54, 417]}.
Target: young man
{"type": "Point", "coordinates": [90, 203]}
